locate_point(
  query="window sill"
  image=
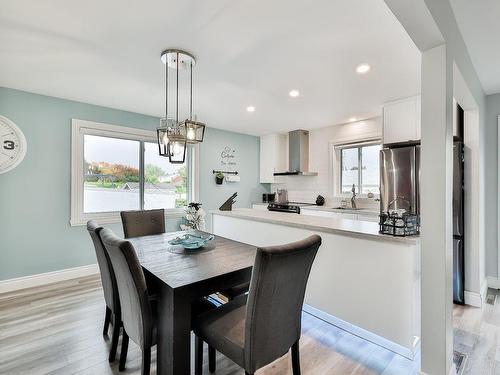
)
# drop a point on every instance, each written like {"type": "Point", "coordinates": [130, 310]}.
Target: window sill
{"type": "Point", "coordinates": [114, 217]}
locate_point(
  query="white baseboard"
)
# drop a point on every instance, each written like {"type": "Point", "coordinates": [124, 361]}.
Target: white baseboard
{"type": "Point", "coordinates": [473, 299]}
{"type": "Point", "coordinates": [47, 278]}
{"type": "Point", "coordinates": [364, 334]}
{"type": "Point", "coordinates": [493, 282]}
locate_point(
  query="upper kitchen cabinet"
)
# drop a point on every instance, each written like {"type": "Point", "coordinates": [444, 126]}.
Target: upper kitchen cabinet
{"type": "Point", "coordinates": [273, 156]}
{"type": "Point", "coordinates": [402, 120]}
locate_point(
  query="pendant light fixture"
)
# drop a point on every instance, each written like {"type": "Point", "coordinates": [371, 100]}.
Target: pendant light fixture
{"type": "Point", "coordinates": [173, 136]}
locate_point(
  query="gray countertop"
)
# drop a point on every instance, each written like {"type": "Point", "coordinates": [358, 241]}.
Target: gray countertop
{"type": "Point", "coordinates": [357, 228]}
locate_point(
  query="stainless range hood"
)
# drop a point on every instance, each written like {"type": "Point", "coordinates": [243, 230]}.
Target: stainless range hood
{"type": "Point", "coordinates": [298, 155]}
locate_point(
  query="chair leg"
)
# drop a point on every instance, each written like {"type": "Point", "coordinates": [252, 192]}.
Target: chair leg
{"type": "Point", "coordinates": [146, 361]}
{"type": "Point", "coordinates": [198, 355]}
{"type": "Point", "coordinates": [248, 373]}
{"type": "Point", "coordinates": [114, 340]}
{"type": "Point", "coordinates": [211, 359]}
{"type": "Point", "coordinates": [123, 355]}
{"type": "Point", "coordinates": [107, 318]}
{"type": "Point", "coordinates": [296, 358]}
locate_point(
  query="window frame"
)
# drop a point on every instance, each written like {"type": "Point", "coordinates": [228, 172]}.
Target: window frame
{"type": "Point", "coordinates": [337, 169]}
{"type": "Point", "coordinates": [80, 128]}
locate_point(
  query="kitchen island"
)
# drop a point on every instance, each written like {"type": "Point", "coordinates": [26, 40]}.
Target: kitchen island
{"type": "Point", "coordinates": [362, 281]}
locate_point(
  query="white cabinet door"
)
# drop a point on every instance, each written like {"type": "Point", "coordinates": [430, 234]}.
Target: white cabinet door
{"type": "Point", "coordinates": [272, 156]}
{"type": "Point", "coordinates": [402, 120]}
{"type": "Point", "coordinates": [320, 213]}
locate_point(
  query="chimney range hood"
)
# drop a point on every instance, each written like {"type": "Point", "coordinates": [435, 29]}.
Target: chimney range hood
{"type": "Point", "coordinates": [298, 155]}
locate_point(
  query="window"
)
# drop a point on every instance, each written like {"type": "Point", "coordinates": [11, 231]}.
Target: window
{"type": "Point", "coordinates": [359, 166]}
{"type": "Point", "coordinates": [117, 169]}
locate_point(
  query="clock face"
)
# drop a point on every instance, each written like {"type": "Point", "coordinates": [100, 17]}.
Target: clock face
{"type": "Point", "coordinates": [12, 145]}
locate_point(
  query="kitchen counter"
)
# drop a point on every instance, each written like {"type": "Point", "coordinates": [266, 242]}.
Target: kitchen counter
{"type": "Point", "coordinates": [356, 228]}
{"type": "Point", "coordinates": [361, 281]}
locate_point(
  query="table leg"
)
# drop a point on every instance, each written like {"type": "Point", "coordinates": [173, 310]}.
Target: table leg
{"type": "Point", "coordinates": [174, 333]}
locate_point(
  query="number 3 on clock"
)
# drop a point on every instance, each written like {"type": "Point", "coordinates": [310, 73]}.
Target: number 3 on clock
{"type": "Point", "coordinates": [8, 145]}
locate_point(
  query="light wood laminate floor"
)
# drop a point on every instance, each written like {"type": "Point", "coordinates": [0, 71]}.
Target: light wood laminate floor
{"type": "Point", "coordinates": [57, 329]}
{"type": "Point", "coordinates": [477, 334]}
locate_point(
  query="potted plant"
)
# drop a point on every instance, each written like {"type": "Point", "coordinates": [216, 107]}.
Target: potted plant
{"type": "Point", "coordinates": [219, 177]}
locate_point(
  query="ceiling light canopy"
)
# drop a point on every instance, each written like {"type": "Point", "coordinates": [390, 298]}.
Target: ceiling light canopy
{"type": "Point", "coordinates": [294, 93]}
{"type": "Point", "coordinates": [174, 135]}
{"type": "Point", "coordinates": [363, 68]}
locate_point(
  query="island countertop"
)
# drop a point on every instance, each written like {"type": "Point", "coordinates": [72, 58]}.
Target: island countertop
{"type": "Point", "coordinates": [357, 228]}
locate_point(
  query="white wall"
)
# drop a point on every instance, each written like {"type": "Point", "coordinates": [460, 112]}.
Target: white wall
{"type": "Point", "coordinates": [306, 188]}
{"type": "Point", "coordinates": [491, 184]}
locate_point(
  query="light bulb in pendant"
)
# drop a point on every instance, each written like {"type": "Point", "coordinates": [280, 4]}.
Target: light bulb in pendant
{"type": "Point", "coordinates": [165, 139]}
{"type": "Point", "coordinates": [191, 134]}
{"type": "Point", "coordinates": [176, 148]}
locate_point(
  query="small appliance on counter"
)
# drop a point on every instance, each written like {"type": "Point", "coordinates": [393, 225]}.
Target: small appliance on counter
{"type": "Point", "coordinates": [268, 197]}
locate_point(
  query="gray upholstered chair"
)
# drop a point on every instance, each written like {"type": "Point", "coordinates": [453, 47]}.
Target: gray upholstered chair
{"type": "Point", "coordinates": [109, 287]}
{"type": "Point", "coordinates": [143, 223]}
{"type": "Point", "coordinates": [138, 310]}
{"type": "Point", "coordinates": [256, 331]}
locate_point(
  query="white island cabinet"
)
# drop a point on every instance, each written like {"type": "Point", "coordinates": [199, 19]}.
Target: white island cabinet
{"type": "Point", "coordinates": [361, 281]}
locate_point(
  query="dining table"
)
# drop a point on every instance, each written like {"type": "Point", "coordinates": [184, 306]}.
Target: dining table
{"type": "Point", "coordinates": [182, 277]}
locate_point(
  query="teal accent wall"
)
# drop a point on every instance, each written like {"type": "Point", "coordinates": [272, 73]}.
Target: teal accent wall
{"type": "Point", "coordinates": [35, 234]}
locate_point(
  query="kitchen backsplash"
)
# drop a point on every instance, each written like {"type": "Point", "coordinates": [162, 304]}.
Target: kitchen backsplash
{"type": "Point", "coordinates": [309, 196]}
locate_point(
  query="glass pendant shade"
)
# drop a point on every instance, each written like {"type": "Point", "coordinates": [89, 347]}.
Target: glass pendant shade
{"type": "Point", "coordinates": [177, 149]}
{"type": "Point", "coordinates": [162, 141]}
{"type": "Point", "coordinates": [193, 131]}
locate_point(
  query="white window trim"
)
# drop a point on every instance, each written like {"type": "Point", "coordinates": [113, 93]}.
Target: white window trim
{"type": "Point", "coordinates": [335, 149]}
{"type": "Point", "coordinates": [81, 127]}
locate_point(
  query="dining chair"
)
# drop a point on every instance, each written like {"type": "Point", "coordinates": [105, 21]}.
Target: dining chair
{"type": "Point", "coordinates": [109, 287]}
{"type": "Point", "coordinates": [143, 222]}
{"type": "Point", "coordinates": [138, 310]}
{"type": "Point", "coordinates": [257, 329]}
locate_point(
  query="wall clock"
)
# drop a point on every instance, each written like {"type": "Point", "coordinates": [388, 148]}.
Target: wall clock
{"type": "Point", "coordinates": [12, 145]}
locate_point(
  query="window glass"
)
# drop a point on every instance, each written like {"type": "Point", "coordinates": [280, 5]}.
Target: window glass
{"type": "Point", "coordinates": [111, 174]}
{"type": "Point", "coordinates": [350, 167]}
{"type": "Point", "coordinates": [370, 174]}
{"type": "Point", "coordinates": [165, 184]}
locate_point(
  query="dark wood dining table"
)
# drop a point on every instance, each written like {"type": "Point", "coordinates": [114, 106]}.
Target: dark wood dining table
{"type": "Point", "coordinates": [184, 276]}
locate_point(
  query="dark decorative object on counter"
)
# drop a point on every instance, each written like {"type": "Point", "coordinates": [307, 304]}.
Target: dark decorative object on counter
{"type": "Point", "coordinates": [396, 225]}
{"type": "Point", "coordinates": [195, 205]}
{"type": "Point", "coordinates": [320, 200]}
{"type": "Point", "coordinates": [228, 205]}
{"type": "Point", "coordinates": [219, 178]}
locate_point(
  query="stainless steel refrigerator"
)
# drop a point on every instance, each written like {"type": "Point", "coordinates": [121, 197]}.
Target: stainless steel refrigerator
{"type": "Point", "coordinates": [458, 223]}
{"type": "Point", "coordinates": [400, 177]}
{"type": "Point", "coordinates": [399, 189]}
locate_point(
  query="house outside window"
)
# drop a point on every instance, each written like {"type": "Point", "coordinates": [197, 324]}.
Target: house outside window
{"type": "Point", "coordinates": [117, 169]}
{"type": "Point", "coordinates": [358, 165]}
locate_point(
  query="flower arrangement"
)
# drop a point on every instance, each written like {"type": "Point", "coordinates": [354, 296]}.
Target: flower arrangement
{"type": "Point", "coordinates": [195, 217]}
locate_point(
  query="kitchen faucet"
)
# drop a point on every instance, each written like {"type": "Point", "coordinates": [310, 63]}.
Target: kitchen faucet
{"type": "Point", "coordinates": [353, 198]}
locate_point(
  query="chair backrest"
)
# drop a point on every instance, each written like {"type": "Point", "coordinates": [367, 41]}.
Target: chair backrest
{"type": "Point", "coordinates": [143, 223]}
{"type": "Point", "coordinates": [274, 307]}
{"type": "Point", "coordinates": [106, 269]}
{"type": "Point", "coordinates": [135, 307]}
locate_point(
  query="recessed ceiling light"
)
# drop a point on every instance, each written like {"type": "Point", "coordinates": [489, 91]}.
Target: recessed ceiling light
{"type": "Point", "coordinates": [363, 68]}
{"type": "Point", "coordinates": [294, 93]}
{"type": "Point", "coordinates": [250, 108]}
{"type": "Point", "coordinates": [352, 119]}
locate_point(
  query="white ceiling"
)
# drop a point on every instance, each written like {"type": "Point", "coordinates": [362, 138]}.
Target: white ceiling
{"type": "Point", "coordinates": [248, 53]}
{"type": "Point", "coordinates": [479, 23]}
